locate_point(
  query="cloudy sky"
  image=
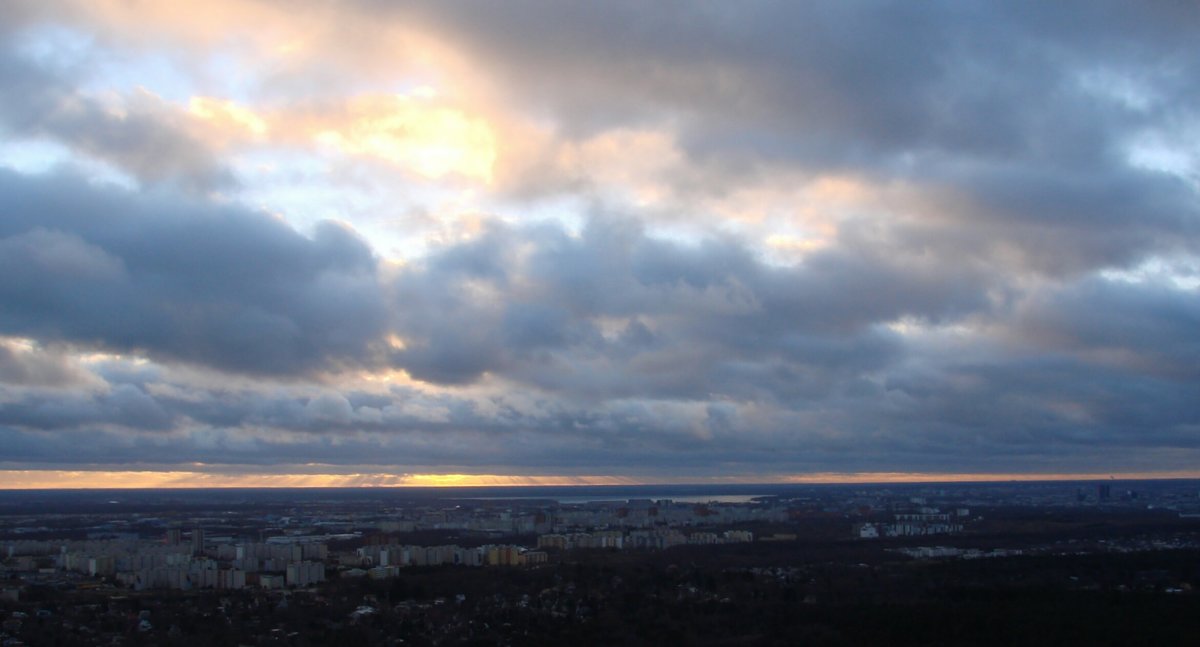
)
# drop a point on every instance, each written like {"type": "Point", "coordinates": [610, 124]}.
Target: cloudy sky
{"type": "Point", "coordinates": [371, 242]}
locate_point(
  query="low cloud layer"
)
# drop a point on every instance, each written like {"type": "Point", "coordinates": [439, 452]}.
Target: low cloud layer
{"type": "Point", "coordinates": [186, 280]}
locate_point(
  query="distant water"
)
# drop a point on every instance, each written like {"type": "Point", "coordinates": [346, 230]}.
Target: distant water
{"type": "Point", "coordinates": [167, 501]}
{"type": "Point", "coordinates": [594, 498]}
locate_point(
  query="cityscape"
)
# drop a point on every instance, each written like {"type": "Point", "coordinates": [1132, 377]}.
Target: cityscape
{"type": "Point", "coordinates": [611, 322]}
{"type": "Point", "coordinates": [429, 566]}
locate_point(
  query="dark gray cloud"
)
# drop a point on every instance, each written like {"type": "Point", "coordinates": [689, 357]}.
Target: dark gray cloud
{"type": "Point", "coordinates": [1038, 410]}
{"type": "Point", "coordinates": [1070, 378]}
{"type": "Point", "coordinates": [1029, 218]}
{"type": "Point", "coordinates": [850, 80]}
{"type": "Point", "coordinates": [1017, 120]}
{"type": "Point", "coordinates": [1146, 328]}
{"type": "Point", "coordinates": [1023, 413]}
{"type": "Point", "coordinates": [124, 406]}
{"type": "Point", "coordinates": [1048, 383]}
{"type": "Point", "coordinates": [615, 311]}
{"type": "Point", "coordinates": [183, 279]}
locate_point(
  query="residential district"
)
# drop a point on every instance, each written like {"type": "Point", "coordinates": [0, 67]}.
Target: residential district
{"type": "Point", "coordinates": [76, 557]}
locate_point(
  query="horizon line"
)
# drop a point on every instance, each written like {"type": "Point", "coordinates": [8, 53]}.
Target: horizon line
{"type": "Point", "coordinates": [28, 480]}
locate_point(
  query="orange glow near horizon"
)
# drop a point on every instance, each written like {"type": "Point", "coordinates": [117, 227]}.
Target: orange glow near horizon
{"type": "Point", "coordinates": [81, 479]}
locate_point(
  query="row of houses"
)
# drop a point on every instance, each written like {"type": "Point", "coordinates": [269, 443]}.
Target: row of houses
{"type": "Point", "coordinates": [658, 538]}
{"type": "Point", "coordinates": [910, 525]}
{"type": "Point", "coordinates": [386, 560]}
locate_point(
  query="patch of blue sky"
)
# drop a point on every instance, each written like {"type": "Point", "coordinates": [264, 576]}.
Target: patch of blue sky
{"type": "Point", "coordinates": [226, 75]}
{"type": "Point", "coordinates": [121, 73]}
{"type": "Point", "coordinates": [1123, 87]}
{"type": "Point", "coordinates": [1180, 273]}
{"type": "Point", "coordinates": [300, 189]}
{"type": "Point", "coordinates": [1178, 158]}
{"type": "Point", "coordinates": [99, 71]}
{"type": "Point", "coordinates": [292, 186]}
{"type": "Point", "coordinates": [680, 231]}
{"type": "Point", "coordinates": [37, 156]}
{"type": "Point", "coordinates": [54, 46]}
{"type": "Point", "coordinates": [33, 156]}
{"type": "Point", "coordinates": [99, 172]}
{"type": "Point", "coordinates": [40, 156]}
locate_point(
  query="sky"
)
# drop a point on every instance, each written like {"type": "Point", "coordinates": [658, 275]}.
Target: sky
{"type": "Point", "coordinates": [414, 243]}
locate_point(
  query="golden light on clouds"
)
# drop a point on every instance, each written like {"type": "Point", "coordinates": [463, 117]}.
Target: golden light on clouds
{"type": "Point", "coordinates": [795, 246]}
{"type": "Point", "coordinates": [396, 342]}
{"type": "Point", "coordinates": [433, 141]}
{"type": "Point", "coordinates": [636, 160]}
{"type": "Point", "coordinates": [20, 344]}
{"type": "Point", "coordinates": [227, 115]}
{"type": "Point", "coordinates": [411, 132]}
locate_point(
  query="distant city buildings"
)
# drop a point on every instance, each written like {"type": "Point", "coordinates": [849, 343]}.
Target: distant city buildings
{"type": "Point", "coordinates": [201, 560]}
{"type": "Point", "coordinates": [926, 521]}
{"type": "Point", "coordinates": [198, 541]}
{"type": "Point", "coordinates": [305, 573]}
{"type": "Point", "coordinates": [302, 546]}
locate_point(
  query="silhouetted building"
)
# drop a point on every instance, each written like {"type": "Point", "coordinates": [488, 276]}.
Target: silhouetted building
{"type": "Point", "coordinates": [198, 541]}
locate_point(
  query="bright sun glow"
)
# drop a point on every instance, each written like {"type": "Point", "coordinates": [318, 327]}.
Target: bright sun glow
{"type": "Point", "coordinates": [432, 141]}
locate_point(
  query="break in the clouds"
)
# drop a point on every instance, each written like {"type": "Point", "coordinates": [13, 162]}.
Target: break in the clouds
{"type": "Point", "coordinates": [649, 241]}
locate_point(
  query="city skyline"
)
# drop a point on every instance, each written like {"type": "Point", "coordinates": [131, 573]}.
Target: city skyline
{"type": "Point", "coordinates": [460, 243]}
